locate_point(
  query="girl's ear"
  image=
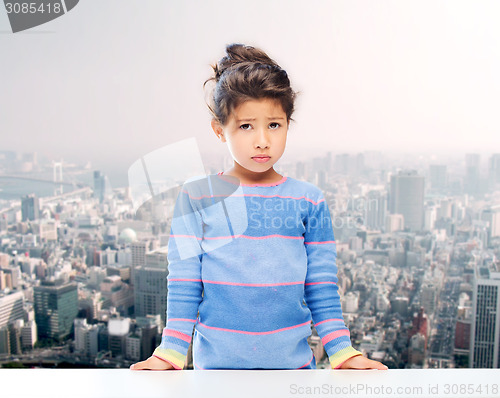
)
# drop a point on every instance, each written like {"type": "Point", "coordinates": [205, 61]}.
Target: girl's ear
{"type": "Point", "coordinates": [218, 130]}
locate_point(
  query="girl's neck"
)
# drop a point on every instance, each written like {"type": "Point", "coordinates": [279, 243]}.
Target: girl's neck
{"type": "Point", "coordinates": [268, 177]}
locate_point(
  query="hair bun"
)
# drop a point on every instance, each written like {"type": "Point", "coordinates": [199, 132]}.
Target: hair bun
{"type": "Point", "coordinates": [246, 72]}
{"type": "Point", "coordinates": [237, 53]}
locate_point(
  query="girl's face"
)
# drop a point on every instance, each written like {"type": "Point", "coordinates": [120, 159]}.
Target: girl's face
{"type": "Point", "coordinates": [255, 128]}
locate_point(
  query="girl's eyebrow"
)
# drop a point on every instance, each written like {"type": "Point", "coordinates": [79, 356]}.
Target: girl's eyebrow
{"type": "Point", "coordinates": [269, 118]}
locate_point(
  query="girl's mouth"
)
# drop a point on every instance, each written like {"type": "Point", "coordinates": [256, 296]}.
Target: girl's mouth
{"type": "Point", "coordinates": [261, 159]}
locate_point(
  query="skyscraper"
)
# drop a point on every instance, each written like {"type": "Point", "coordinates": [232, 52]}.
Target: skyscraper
{"type": "Point", "coordinates": [494, 171]}
{"type": "Point", "coordinates": [30, 207]}
{"type": "Point", "coordinates": [438, 177]}
{"type": "Point", "coordinates": [151, 286]}
{"type": "Point", "coordinates": [472, 174]}
{"type": "Point", "coordinates": [376, 209]}
{"type": "Point", "coordinates": [485, 327]}
{"type": "Point", "coordinates": [11, 307]}
{"type": "Point", "coordinates": [138, 250]}
{"type": "Point", "coordinates": [56, 306]}
{"type": "Point", "coordinates": [407, 198]}
{"type": "Point", "coordinates": [491, 214]}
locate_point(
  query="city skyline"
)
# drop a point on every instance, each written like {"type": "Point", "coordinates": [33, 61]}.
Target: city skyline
{"type": "Point", "coordinates": [373, 76]}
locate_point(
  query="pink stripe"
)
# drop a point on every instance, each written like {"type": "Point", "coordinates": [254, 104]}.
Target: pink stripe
{"type": "Point", "coordinates": [182, 320]}
{"type": "Point", "coordinates": [334, 335]}
{"type": "Point", "coordinates": [258, 196]}
{"type": "Point", "coordinates": [176, 334]}
{"type": "Point", "coordinates": [254, 284]}
{"type": "Point", "coordinates": [254, 237]}
{"type": "Point", "coordinates": [319, 283]}
{"type": "Point", "coordinates": [198, 367]}
{"type": "Point", "coordinates": [328, 320]}
{"type": "Point", "coordinates": [303, 366]}
{"type": "Point", "coordinates": [242, 236]}
{"type": "Point", "coordinates": [234, 283]}
{"type": "Point", "coordinates": [319, 243]}
{"type": "Point", "coordinates": [271, 184]}
{"type": "Point", "coordinates": [254, 333]}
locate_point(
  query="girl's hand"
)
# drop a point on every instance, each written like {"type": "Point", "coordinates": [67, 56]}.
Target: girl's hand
{"type": "Point", "coordinates": [360, 362]}
{"type": "Point", "coordinates": [152, 363]}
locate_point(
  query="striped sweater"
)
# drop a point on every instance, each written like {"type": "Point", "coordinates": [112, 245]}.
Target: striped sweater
{"type": "Point", "coordinates": [250, 265]}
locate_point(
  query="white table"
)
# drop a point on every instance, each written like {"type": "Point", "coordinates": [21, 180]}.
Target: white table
{"type": "Point", "coordinates": [124, 383]}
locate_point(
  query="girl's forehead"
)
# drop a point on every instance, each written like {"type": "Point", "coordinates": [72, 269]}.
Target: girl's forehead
{"type": "Point", "coordinates": [267, 107]}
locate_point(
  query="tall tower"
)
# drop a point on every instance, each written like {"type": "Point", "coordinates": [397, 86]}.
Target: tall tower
{"type": "Point", "coordinates": [56, 307]}
{"type": "Point", "coordinates": [494, 171]}
{"type": "Point", "coordinates": [485, 326]}
{"type": "Point", "coordinates": [376, 209]}
{"type": "Point", "coordinates": [11, 307]}
{"type": "Point", "coordinates": [99, 185]}
{"type": "Point", "coordinates": [438, 177]}
{"type": "Point", "coordinates": [407, 198]}
{"type": "Point", "coordinates": [30, 207]}
{"type": "Point", "coordinates": [138, 250]}
{"type": "Point", "coordinates": [472, 174]}
{"type": "Point", "coordinates": [58, 177]}
{"type": "Point", "coordinates": [150, 286]}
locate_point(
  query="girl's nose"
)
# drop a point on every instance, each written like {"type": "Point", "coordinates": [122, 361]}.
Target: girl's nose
{"type": "Point", "coordinates": [262, 139]}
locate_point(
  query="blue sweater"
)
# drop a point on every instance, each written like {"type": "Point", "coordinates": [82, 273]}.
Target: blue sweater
{"type": "Point", "coordinates": [249, 267]}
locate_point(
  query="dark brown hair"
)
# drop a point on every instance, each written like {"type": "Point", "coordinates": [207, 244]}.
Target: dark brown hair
{"type": "Point", "coordinates": [246, 73]}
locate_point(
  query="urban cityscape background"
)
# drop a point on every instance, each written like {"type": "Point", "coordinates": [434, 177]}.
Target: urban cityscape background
{"type": "Point", "coordinates": [83, 276]}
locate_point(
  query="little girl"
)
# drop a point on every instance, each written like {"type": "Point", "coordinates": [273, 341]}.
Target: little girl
{"type": "Point", "coordinates": [252, 256]}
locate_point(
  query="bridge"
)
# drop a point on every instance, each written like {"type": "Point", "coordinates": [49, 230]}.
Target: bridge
{"type": "Point", "coordinates": [76, 184]}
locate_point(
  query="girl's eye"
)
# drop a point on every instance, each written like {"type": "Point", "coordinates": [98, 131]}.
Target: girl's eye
{"type": "Point", "coordinates": [245, 126]}
{"type": "Point", "coordinates": [276, 125]}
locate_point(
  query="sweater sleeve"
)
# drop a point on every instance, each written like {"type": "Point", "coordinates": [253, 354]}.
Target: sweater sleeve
{"type": "Point", "coordinates": [321, 290]}
{"type": "Point", "coordinates": [184, 281]}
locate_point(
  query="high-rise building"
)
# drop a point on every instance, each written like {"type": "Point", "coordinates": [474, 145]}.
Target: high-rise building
{"type": "Point", "coordinates": [321, 179]}
{"type": "Point", "coordinates": [29, 333]}
{"type": "Point", "coordinates": [342, 164]}
{"type": "Point", "coordinates": [10, 338]}
{"type": "Point", "coordinates": [11, 307]}
{"type": "Point", "coordinates": [462, 334]}
{"type": "Point", "coordinates": [133, 346]}
{"type": "Point", "coordinates": [430, 215]}
{"type": "Point", "coordinates": [300, 170]}
{"type": "Point", "coordinates": [138, 257]}
{"type": "Point", "coordinates": [30, 207]}
{"type": "Point", "coordinates": [151, 285]}
{"type": "Point", "coordinates": [492, 215]}
{"type": "Point", "coordinates": [376, 210]}
{"type": "Point", "coordinates": [118, 329]}
{"type": "Point", "coordinates": [56, 306]}
{"type": "Point", "coordinates": [485, 326]}
{"type": "Point", "coordinates": [438, 177]}
{"type": "Point", "coordinates": [4, 340]}
{"type": "Point", "coordinates": [494, 170]}
{"type": "Point", "coordinates": [407, 198]}
{"type": "Point", "coordinates": [394, 222]}
{"type": "Point", "coordinates": [99, 185]}
{"type": "Point", "coordinates": [15, 336]}
{"type": "Point", "coordinates": [429, 293]}
{"type": "Point", "coordinates": [472, 173]}
{"type": "Point", "coordinates": [86, 337]}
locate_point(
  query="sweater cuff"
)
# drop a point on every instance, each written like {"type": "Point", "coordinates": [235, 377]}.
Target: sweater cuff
{"type": "Point", "coordinates": [175, 358]}
{"type": "Point", "coordinates": [343, 355]}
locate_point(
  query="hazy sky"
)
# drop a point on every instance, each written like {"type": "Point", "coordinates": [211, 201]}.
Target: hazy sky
{"type": "Point", "coordinates": [116, 79]}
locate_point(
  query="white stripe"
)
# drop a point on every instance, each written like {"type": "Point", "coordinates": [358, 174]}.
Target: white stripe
{"type": "Point", "coordinates": [64, 6]}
